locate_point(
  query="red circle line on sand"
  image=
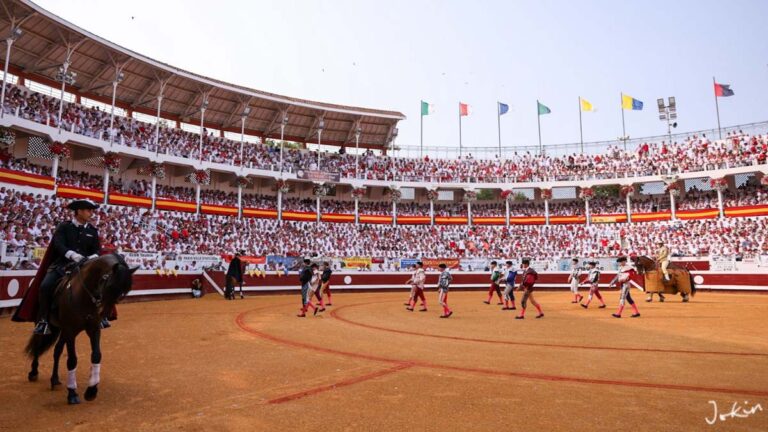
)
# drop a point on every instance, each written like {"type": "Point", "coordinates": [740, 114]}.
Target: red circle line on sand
{"type": "Point", "coordinates": [240, 321]}
{"type": "Point", "coordinates": [336, 315]}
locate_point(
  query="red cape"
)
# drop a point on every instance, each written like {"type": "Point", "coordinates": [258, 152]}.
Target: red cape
{"type": "Point", "coordinates": [27, 310]}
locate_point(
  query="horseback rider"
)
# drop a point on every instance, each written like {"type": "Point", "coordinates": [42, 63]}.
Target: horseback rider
{"type": "Point", "coordinates": [662, 258]}
{"type": "Point", "coordinates": [73, 243]}
{"type": "Point", "coordinates": [234, 275]}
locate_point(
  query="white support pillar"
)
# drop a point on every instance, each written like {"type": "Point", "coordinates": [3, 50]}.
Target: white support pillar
{"type": "Point", "coordinates": [720, 202]}
{"type": "Point", "coordinates": [587, 215]}
{"type": "Point", "coordinates": [629, 208]}
{"type": "Point", "coordinates": [157, 119]}
{"type": "Point", "coordinates": [242, 137]}
{"type": "Point", "coordinates": [469, 213]}
{"type": "Point", "coordinates": [357, 211]}
{"type": "Point", "coordinates": [15, 34]}
{"type": "Point", "coordinates": [55, 173]}
{"type": "Point", "coordinates": [154, 192]}
{"type": "Point", "coordinates": [432, 212]}
{"type": "Point", "coordinates": [239, 201]}
{"type": "Point", "coordinates": [318, 208]}
{"type": "Point", "coordinates": [64, 68]}
{"type": "Point", "coordinates": [546, 212]}
{"type": "Point", "coordinates": [672, 205]}
{"type": "Point", "coordinates": [283, 124]}
{"type": "Point", "coordinates": [358, 131]}
{"type": "Point", "coordinates": [506, 202]}
{"type": "Point", "coordinates": [106, 185]}
{"type": "Point", "coordinates": [202, 129]}
{"type": "Point", "coordinates": [118, 79]}
{"type": "Point", "coordinates": [197, 198]}
{"type": "Point", "coordinates": [320, 128]}
{"type": "Point", "coordinates": [394, 213]}
{"type": "Point", "coordinates": [280, 206]}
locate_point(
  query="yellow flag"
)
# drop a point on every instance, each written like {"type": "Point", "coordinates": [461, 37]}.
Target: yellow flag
{"type": "Point", "coordinates": [586, 106]}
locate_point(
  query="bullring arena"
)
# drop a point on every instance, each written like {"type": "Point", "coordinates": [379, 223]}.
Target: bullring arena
{"type": "Point", "coordinates": [211, 213]}
{"type": "Point", "coordinates": [361, 364]}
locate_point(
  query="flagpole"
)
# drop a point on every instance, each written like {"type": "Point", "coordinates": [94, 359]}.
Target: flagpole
{"type": "Point", "coordinates": [459, 129]}
{"type": "Point", "coordinates": [623, 126]}
{"type": "Point", "coordinates": [498, 122]}
{"type": "Point", "coordinates": [421, 134]}
{"type": "Point", "coordinates": [717, 108]}
{"type": "Point", "coordinates": [538, 121]}
{"type": "Point", "coordinates": [581, 130]}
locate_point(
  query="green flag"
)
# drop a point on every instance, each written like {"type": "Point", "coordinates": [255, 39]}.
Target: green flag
{"type": "Point", "coordinates": [543, 109]}
{"type": "Point", "coordinates": [427, 108]}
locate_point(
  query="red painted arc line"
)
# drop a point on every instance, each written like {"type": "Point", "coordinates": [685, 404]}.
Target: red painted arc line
{"type": "Point", "coordinates": [343, 383]}
{"type": "Point", "coordinates": [240, 321]}
{"type": "Point", "coordinates": [335, 314]}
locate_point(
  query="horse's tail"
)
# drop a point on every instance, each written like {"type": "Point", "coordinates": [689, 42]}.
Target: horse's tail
{"type": "Point", "coordinates": [693, 284]}
{"type": "Point", "coordinates": [39, 344]}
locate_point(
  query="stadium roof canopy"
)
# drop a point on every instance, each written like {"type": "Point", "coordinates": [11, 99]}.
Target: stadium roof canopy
{"type": "Point", "coordinates": [47, 40]}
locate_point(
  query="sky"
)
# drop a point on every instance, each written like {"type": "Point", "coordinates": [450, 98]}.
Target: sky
{"type": "Point", "coordinates": [393, 54]}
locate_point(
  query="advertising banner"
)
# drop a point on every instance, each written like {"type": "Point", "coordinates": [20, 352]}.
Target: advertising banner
{"type": "Point", "coordinates": [137, 258]}
{"type": "Point", "coordinates": [357, 262]}
{"type": "Point", "coordinates": [432, 263]}
{"type": "Point", "coordinates": [405, 263]}
{"type": "Point", "coordinates": [722, 263]}
{"type": "Point", "coordinates": [318, 176]}
{"type": "Point", "coordinates": [475, 264]}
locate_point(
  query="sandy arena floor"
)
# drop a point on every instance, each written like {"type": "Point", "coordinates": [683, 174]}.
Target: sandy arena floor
{"type": "Point", "coordinates": [367, 364]}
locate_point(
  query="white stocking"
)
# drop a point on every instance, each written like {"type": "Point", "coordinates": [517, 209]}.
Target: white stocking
{"type": "Point", "coordinates": [72, 379]}
{"type": "Point", "coordinates": [95, 374]}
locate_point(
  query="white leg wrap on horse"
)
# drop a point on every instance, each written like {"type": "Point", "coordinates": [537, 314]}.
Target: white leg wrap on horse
{"type": "Point", "coordinates": [72, 379]}
{"type": "Point", "coordinates": [95, 374]}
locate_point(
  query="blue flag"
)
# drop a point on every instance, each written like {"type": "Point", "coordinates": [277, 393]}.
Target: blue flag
{"type": "Point", "coordinates": [503, 108]}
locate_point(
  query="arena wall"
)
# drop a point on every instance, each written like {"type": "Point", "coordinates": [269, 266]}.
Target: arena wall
{"type": "Point", "coordinates": [148, 285]}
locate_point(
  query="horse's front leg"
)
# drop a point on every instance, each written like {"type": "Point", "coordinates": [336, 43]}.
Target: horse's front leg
{"type": "Point", "coordinates": [32, 375]}
{"type": "Point", "coordinates": [57, 350]}
{"type": "Point", "coordinates": [94, 335]}
{"type": "Point", "coordinates": [72, 396]}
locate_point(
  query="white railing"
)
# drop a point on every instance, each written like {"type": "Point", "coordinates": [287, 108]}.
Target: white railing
{"type": "Point", "coordinates": [387, 179]}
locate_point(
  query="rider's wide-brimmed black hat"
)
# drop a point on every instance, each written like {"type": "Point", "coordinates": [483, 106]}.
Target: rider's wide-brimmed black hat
{"type": "Point", "coordinates": [621, 259]}
{"type": "Point", "coordinates": [82, 204]}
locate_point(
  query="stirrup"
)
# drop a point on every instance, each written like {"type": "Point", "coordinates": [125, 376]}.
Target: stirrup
{"type": "Point", "coordinates": [104, 324]}
{"type": "Point", "coordinates": [42, 328]}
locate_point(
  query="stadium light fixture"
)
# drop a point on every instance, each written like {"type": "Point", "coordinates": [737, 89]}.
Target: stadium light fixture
{"type": "Point", "coordinates": [15, 35]}
{"type": "Point", "coordinates": [668, 113]}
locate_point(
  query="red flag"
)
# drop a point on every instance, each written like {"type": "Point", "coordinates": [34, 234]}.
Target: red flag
{"type": "Point", "coordinates": [723, 90]}
{"type": "Point", "coordinates": [463, 109]}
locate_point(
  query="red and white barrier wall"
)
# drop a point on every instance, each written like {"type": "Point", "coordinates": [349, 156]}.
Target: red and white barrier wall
{"type": "Point", "coordinates": [148, 285]}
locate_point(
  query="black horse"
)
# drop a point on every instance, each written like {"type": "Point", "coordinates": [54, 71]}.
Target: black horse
{"type": "Point", "coordinates": [81, 300]}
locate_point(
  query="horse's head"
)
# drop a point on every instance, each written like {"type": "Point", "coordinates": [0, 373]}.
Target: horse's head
{"type": "Point", "coordinates": [643, 263]}
{"type": "Point", "coordinates": [109, 278]}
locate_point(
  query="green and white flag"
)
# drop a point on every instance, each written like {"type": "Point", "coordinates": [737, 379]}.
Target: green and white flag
{"type": "Point", "coordinates": [427, 108]}
{"type": "Point", "coordinates": [543, 109]}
